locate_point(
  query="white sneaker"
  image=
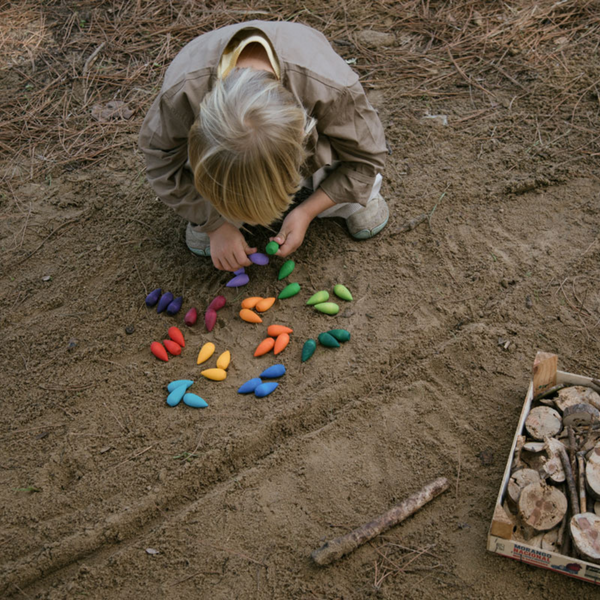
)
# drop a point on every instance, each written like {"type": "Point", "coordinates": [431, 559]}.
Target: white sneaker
{"type": "Point", "coordinates": [197, 241]}
{"type": "Point", "coordinates": [369, 220]}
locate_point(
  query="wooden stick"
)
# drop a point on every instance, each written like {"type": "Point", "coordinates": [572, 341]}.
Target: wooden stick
{"type": "Point", "coordinates": [564, 457]}
{"type": "Point", "coordinates": [581, 469]}
{"type": "Point", "coordinates": [335, 549]}
{"type": "Point", "coordinates": [572, 448]}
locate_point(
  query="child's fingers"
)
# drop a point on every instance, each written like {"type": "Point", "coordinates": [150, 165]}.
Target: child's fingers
{"type": "Point", "coordinates": [240, 258]}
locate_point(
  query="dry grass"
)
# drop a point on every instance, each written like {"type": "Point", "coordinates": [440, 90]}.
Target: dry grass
{"type": "Point", "coordinates": [59, 61]}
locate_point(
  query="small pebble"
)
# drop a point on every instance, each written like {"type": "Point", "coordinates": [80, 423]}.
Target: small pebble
{"type": "Point", "coordinates": [238, 281]}
{"type": "Point", "coordinates": [529, 302]}
{"type": "Point", "coordinates": [273, 372]}
{"type": "Point", "coordinates": [287, 267]}
{"type": "Point", "coordinates": [46, 278]}
{"type": "Point", "coordinates": [318, 298]}
{"type": "Point", "coordinates": [129, 329]}
{"type": "Point", "coordinates": [258, 258]}
{"type": "Point", "coordinates": [329, 308]}
{"type": "Point", "coordinates": [308, 349]}
{"type": "Point", "coordinates": [264, 389]}
{"type": "Point", "coordinates": [272, 248]}
{"type": "Point", "coordinates": [249, 386]}
{"type": "Point", "coordinates": [289, 290]}
{"type": "Point", "coordinates": [194, 401]}
{"type": "Point", "coordinates": [341, 291]}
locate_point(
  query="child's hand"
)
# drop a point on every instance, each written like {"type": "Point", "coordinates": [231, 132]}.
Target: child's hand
{"type": "Point", "coordinates": [293, 230]}
{"type": "Point", "coordinates": [228, 248]}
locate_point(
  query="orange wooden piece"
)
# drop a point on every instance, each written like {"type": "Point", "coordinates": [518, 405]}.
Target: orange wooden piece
{"type": "Point", "coordinates": [275, 330]}
{"type": "Point", "coordinates": [265, 346]}
{"type": "Point", "coordinates": [283, 339]}
{"type": "Point", "coordinates": [265, 304]}
{"type": "Point", "coordinates": [249, 316]}
{"type": "Point", "coordinates": [172, 347]}
{"type": "Point", "coordinates": [176, 335]}
{"type": "Point", "coordinates": [251, 302]}
{"type": "Point", "coordinates": [159, 351]}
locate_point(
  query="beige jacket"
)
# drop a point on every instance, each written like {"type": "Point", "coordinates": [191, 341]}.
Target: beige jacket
{"type": "Point", "coordinates": [348, 128]}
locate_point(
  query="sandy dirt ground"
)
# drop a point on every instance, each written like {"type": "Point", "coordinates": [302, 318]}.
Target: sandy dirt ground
{"type": "Point", "coordinates": [109, 493]}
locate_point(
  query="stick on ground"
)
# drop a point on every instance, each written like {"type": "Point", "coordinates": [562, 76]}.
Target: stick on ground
{"type": "Point", "coordinates": [335, 549]}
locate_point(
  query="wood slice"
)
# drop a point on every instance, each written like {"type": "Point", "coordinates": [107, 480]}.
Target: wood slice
{"type": "Point", "coordinates": [542, 422]}
{"type": "Point", "coordinates": [593, 455]}
{"type": "Point", "coordinates": [592, 476]}
{"type": "Point", "coordinates": [576, 394]}
{"type": "Point", "coordinates": [519, 480]}
{"type": "Point", "coordinates": [554, 467]}
{"type": "Point", "coordinates": [580, 414]}
{"type": "Point", "coordinates": [550, 540]}
{"type": "Point", "coordinates": [585, 532]}
{"type": "Point", "coordinates": [542, 506]}
{"type": "Point", "coordinates": [534, 447]}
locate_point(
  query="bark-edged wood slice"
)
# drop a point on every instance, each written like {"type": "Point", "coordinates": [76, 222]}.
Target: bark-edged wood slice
{"type": "Point", "coordinates": [542, 506]}
{"type": "Point", "coordinates": [553, 467]}
{"type": "Point", "coordinates": [534, 447]}
{"type": "Point", "coordinates": [550, 540]}
{"type": "Point", "coordinates": [542, 422]}
{"type": "Point", "coordinates": [577, 394]}
{"type": "Point", "coordinates": [592, 478]}
{"type": "Point", "coordinates": [585, 532]}
{"type": "Point", "coordinates": [580, 414]}
{"type": "Point", "coordinates": [519, 480]}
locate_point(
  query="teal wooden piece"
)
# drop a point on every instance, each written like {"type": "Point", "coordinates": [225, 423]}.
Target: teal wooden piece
{"type": "Point", "coordinates": [194, 401]}
{"type": "Point", "coordinates": [341, 335]}
{"type": "Point", "coordinates": [178, 382]}
{"type": "Point", "coordinates": [174, 398]}
{"type": "Point", "coordinates": [308, 349]}
{"type": "Point", "coordinates": [328, 340]}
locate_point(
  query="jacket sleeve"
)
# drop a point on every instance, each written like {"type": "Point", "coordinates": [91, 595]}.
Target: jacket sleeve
{"type": "Point", "coordinates": [164, 141]}
{"type": "Point", "coordinates": [357, 138]}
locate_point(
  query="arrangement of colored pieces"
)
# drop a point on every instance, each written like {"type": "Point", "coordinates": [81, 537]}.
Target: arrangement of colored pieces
{"type": "Point", "coordinates": [210, 316]}
{"type": "Point", "coordinates": [262, 388]}
{"type": "Point", "coordinates": [279, 338]}
{"type": "Point", "coordinates": [220, 373]}
{"type": "Point", "coordinates": [173, 346]}
{"type": "Point", "coordinates": [319, 300]}
{"type": "Point", "coordinates": [257, 303]}
{"type": "Point", "coordinates": [241, 277]}
{"type": "Point", "coordinates": [329, 339]}
{"type": "Point", "coordinates": [164, 301]}
{"type": "Point", "coordinates": [178, 391]}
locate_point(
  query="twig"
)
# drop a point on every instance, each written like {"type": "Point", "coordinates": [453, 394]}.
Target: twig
{"type": "Point", "coordinates": [436, 205]}
{"type": "Point", "coordinates": [133, 456]}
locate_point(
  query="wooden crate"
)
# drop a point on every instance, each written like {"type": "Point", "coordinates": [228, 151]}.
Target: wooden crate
{"type": "Point", "coordinates": [500, 534]}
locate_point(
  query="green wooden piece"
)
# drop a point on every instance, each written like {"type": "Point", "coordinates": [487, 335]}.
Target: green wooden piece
{"type": "Point", "coordinates": [308, 349]}
{"type": "Point", "coordinates": [329, 308]}
{"type": "Point", "coordinates": [328, 340]}
{"type": "Point", "coordinates": [286, 268]}
{"type": "Point", "coordinates": [317, 298]}
{"type": "Point", "coordinates": [341, 335]}
{"type": "Point", "coordinates": [341, 291]}
{"type": "Point", "coordinates": [289, 290]}
{"type": "Point", "coordinates": [272, 248]}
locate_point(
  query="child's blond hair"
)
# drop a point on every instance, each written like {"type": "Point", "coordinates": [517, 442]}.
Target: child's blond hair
{"type": "Point", "coordinates": [246, 147]}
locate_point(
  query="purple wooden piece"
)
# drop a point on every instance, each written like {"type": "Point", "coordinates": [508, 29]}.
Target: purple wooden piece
{"type": "Point", "coordinates": [164, 301]}
{"type": "Point", "coordinates": [175, 306]}
{"type": "Point", "coordinates": [238, 281]}
{"type": "Point", "coordinates": [258, 258]}
{"type": "Point", "coordinates": [240, 271]}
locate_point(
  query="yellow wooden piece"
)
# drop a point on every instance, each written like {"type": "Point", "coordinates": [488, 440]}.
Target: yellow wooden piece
{"type": "Point", "coordinates": [205, 352]}
{"type": "Point", "coordinates": [214, 374]}
{"type": "Point", "coordinates": [224, 360]}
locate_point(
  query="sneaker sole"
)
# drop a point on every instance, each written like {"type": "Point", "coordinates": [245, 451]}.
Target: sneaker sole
{"type": "Point", "coordinates": [197, 252]}
{"type": "Point", "coordinates": [366, 234]}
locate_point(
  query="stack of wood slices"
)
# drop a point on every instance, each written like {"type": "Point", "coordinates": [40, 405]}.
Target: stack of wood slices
{"type": "Point", "coordinates": [553, 494]}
